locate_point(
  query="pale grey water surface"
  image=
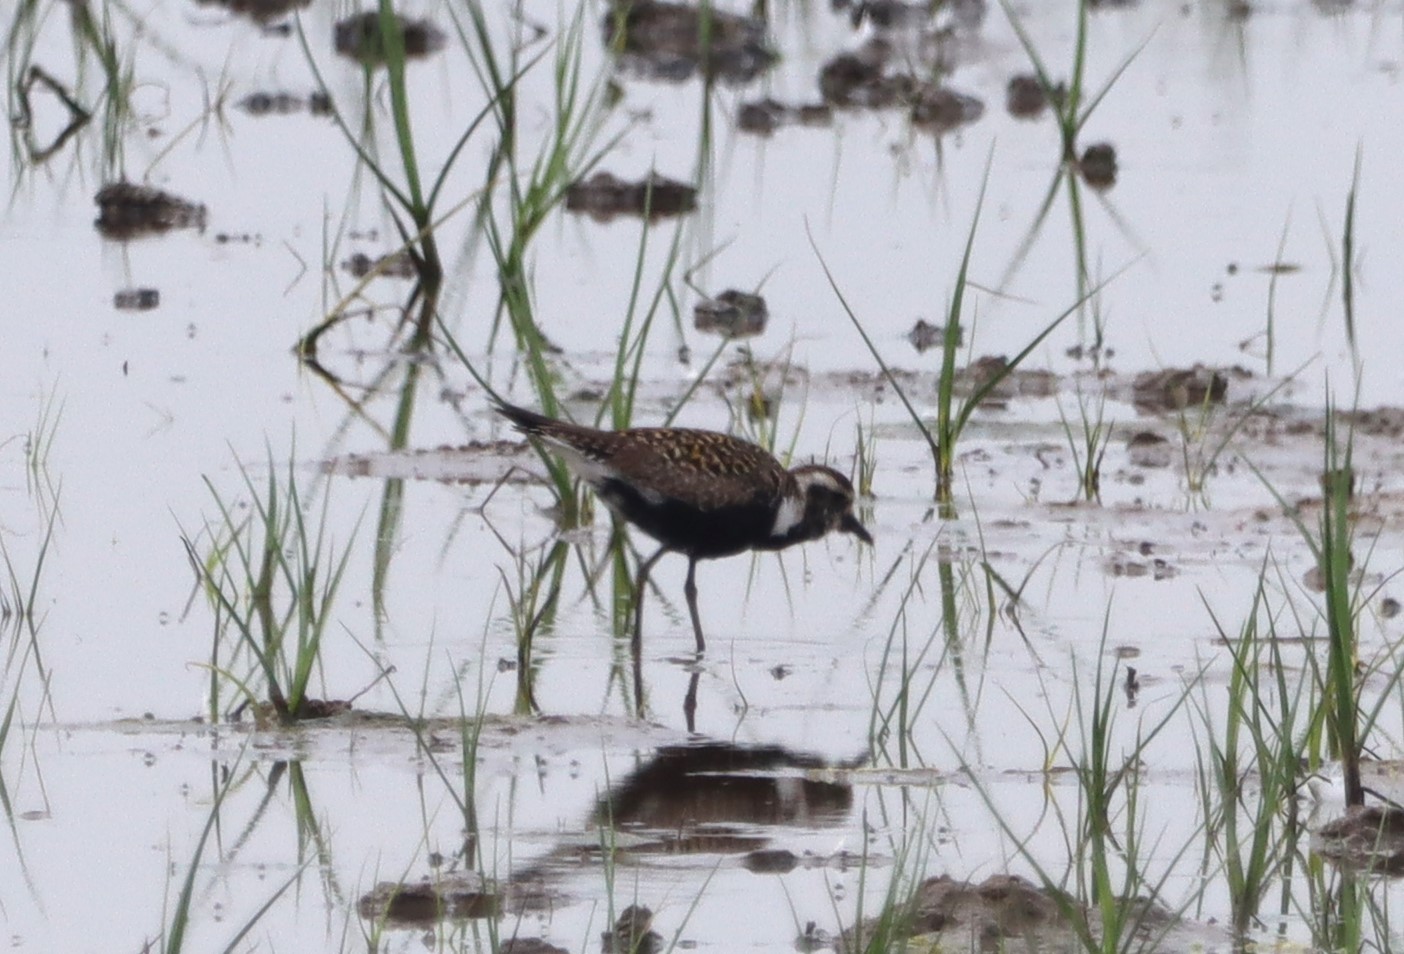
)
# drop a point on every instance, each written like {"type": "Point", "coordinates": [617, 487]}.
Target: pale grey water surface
{"type": "Point", "coordinates": [1229, 131]}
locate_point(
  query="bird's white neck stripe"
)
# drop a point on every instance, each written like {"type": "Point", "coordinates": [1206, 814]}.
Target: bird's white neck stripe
{"type": "Point", "coordinates": [787, 517]}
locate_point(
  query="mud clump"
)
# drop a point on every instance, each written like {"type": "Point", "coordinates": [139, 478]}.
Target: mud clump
{"type": "Point", "coordinates": [1367, 838]}
{"type": "Point", "coordinates": [285, 104]}
{"type": "Point", "coordinates": [633, 933]}
{"type": "Point", "coordinates": [924, 336]}
{"type": "Point", "coordinates": [259, 11]}
{"type": "Point", "coordinates": [860, 81]}
{"type": "Point", "coordinates": [1150, 450]}
{"type": "Point", "coordinates": [268, 715]}
{"type": "Point", "coordinates": [604, 197]}
{"type": "Point", "coordinates": [1025, 97]}
{"type": "Point", "coordinates": [1018, 382]}
{"type": "Point", "coordinates": [395, 265]}
{"type": "Point", "coordinates": [1098, 165]}
{"type": "Point", "coordinates": [959, 916]}
{"type": "Point", "coordinates": [1377, 422]}
{"type": "Point", "coordinates": [997, 909]}
{"type": "Point", "coordinates": [770, 861]}
{"type": "Point", "coordinates": [137, 299]}
{"type": "Point", "coordinates": [1131, 568]}
{"type": "Point", "coordinates": [1175, 389]}
{"type": "Point", "coordinates": [764, 116]}
{"type": "Point", "coordinates": [323, 708]}
{"type": "Point", "coordinates": [530, 945]}
{"type": "Point", "coordinates": [732, 314]}
{"type": "Point", "coordinates": [459, 897]}
{"type": "Point", "coordinates": [892, 14]}
{"type": "Point", "coordinates": [674, 42]}
{"type": "Point", "coordinates": [918, 17]}
{"type": "Point", "coordinates": [360, 38]}
{"type": "Point", "coordinates": [127, 210]}
{"type": "Point", "coordinates": [941, 109]}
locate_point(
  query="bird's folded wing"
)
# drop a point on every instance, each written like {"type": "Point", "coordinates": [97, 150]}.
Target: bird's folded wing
{"type": "Point", "coordinates": [708, 471]}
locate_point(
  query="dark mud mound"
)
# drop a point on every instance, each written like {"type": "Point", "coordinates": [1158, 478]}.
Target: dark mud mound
{"type": "Point", "coordinates": [674, 42]}
{"type": "Point", "coordinates": [1098, 165]}
{"type": "Point", "coordinates": [360, 38]}
{"type": "Point", "coordinates": [869, 79]}
{"type": "Point", "coordinates": [136, 299]}
{"type": "Point", "coordinates": [457, 897]}
{"type": "Point", "coordinates": [604, 197]}
{"type": "Point", "coordinates": [394, 265]}
{"type": "Point", "coordinates": [259, 11]}
{"type": "Point", "coordinates": [732, 314]}
{"type": "Point", "coordinates": [1175, 389]}
{"type": "Point", "coordinates": [1006, 912]}
{"type": "Point", "coordinates": [763, 116]}
{"type": "Point", "coordinates": [1026, 98]}
{"type": "Point", "coordinates": [632, 933]}
{"type": "Point", "coordinates": [282, 103]}
{"type": "Point", "coordinates": [1367, 838]}
{"type": "Point", "coordinates": [127, 210]}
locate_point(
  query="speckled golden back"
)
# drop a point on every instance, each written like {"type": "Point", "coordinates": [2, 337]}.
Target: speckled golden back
{"type": "Point", "coordinates": [702, 468]}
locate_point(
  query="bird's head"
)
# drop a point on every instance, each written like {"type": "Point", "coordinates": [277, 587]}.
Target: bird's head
{"type": "Point", "coordinates": [827, 498]}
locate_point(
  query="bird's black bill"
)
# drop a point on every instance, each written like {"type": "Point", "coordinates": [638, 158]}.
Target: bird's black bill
{"type": "Point", "coordinates": [851, 525]}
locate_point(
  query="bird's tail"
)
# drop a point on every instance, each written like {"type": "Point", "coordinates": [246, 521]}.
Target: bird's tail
{"type": "Point", "coordinates": [528, 422]}
{"type": "Point", "coordinates": [582, 448]}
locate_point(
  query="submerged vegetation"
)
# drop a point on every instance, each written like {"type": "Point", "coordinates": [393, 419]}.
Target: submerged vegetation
{"type": "Point", "coordinates": [1122, 673]}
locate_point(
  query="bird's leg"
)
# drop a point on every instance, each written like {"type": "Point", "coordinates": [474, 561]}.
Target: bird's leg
{"type": "Point", "coordinates": [690, 701]}
{"type": "Point", "coordinates": [637, 643]}
{"type": "Point", "coordinates": [639, 711]}
{"type": "Point", "coordinates": [690, 591]}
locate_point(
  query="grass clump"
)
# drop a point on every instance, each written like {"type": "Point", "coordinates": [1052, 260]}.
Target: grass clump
{"type": "Point", "coordinates": [1250, 767]}
{"type": "Point", "coordinates": [271, 575]}
{"type": "Point", "coordinates": [952, 416]}
{"type": "Point", "coordinates": [1088, 443]}
{"type": "Point", "coordinates": [1341, 711]}
{"type": "Point", "coordinates": [1340, 725]}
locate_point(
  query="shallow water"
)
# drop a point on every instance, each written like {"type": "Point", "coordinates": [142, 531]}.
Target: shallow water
{"type": "Point", "coordinates": [1229, 133]}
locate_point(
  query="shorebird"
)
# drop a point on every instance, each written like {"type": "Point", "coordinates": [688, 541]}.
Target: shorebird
{"type": "Point", "coordinates": [698, 493]}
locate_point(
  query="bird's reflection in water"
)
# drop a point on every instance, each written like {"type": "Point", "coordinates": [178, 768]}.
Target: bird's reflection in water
{"type": "Point", "coordinates": [711, 784]}
{"type": "Point", "coordinates": [706, 797]}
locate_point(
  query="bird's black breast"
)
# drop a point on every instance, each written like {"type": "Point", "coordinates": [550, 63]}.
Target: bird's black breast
{"type": "Point", "coordinates": [683, 527]}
